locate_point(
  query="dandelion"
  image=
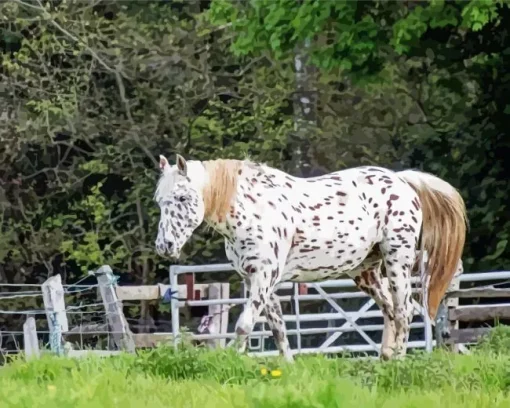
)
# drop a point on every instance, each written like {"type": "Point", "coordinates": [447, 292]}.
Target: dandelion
{"type": "Point", "coordinates": [263, 371]}
{"type": "Point", "coordinates": [276, 373]}
{"type": "Point", "coordinates": [51, 388]}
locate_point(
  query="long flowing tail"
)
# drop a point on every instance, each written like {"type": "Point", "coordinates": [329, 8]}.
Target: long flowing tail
{"type": "Point", "coordinates": [443, 231]}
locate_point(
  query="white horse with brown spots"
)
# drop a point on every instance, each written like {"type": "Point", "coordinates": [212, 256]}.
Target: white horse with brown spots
{"type": "Point", "coordinates": [366, 222]}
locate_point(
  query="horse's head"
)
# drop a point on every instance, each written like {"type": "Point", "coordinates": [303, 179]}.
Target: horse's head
{"type": "Point", "coordinates": [180, 199]}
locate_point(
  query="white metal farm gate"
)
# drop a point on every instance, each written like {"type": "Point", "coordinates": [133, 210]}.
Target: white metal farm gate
{"type": "Point", "coordinates": [288, 292]}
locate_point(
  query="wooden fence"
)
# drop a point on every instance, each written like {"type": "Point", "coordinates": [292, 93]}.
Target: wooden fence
{"type": "Point", "coordinates": [451, 315]}
{"type": "Point", "coordinates": [62, 337]}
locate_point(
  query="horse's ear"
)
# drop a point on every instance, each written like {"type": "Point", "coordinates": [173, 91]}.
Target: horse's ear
{"type": "Point", "coordinates": [181, 165]}
{"type": "Point", "coordinates": [163, 163]}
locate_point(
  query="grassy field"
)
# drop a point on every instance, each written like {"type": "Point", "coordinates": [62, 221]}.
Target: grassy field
{"type": "Point", "coordinates": [198, 378]}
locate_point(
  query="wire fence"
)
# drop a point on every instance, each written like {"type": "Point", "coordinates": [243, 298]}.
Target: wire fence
{"type": "Point", "coordinates": [78, 316]}
{"type": "Point", "coordinates": [19, 301]}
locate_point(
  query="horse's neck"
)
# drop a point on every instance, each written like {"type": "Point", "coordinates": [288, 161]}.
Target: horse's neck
{"type": "Point", "coordinates": [248, 189]}
{"type": "Point", "coordinates": [226, 225]}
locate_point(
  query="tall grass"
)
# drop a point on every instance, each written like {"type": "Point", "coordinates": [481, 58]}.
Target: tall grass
{"type": "Point", "coordinates": [191, 377]}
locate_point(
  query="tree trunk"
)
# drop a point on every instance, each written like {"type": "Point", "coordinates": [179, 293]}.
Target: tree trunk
{"type": "Point", "coordinates": [305, 113]}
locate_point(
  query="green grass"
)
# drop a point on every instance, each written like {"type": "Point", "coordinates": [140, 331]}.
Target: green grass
{"type": "Point", "coordinates": [189, 377]}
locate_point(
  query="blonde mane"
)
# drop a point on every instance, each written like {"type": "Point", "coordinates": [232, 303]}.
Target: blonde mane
{"type": "Point", "coordinates": [221, 187]}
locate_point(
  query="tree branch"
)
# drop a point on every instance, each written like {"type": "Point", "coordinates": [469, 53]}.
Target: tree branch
{"type": "Point", "coordinates": [51, 20]}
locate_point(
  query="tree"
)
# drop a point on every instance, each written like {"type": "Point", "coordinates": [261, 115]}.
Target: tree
{"type": "Point", "coordinates": [426, 64]}
{"type": "Point", "coordinates": [88, 107]}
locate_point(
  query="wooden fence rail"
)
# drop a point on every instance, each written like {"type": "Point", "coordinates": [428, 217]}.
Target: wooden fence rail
{"type": "Point", "coordinates": [453, 314]}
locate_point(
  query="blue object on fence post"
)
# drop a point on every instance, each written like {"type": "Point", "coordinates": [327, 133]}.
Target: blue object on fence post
{"type": "Point", "coordinates": [56, 336]}
{"type": "Point", "coordinates": [168, 296]}
{"type": "Point", "coordinates": [113, 279]}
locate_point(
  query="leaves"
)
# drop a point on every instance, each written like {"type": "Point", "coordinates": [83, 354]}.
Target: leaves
{"type": "Point", "coordinates": [500, 249]}
{"type": "Point", "coordinates": [342, 36]}
{"type": "Point", "coordinates": [476, 14]}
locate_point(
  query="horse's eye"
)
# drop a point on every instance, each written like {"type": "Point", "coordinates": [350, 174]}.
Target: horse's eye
{"type": "Point", "coordinates": [182, 199]}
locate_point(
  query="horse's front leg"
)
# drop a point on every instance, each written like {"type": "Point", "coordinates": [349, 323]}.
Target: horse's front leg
{"type": "Point", "coordinates": [261, 265]}
{"type": "Point", "coordinates": [274, 316]}
{"type": "Point", "coordinates": [258, 297]}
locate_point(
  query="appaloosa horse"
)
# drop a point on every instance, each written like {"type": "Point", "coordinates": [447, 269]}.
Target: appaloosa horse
{"type": "Point", "coordinates": [366, 222]}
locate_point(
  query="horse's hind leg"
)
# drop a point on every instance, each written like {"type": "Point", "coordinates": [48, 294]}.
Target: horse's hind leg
{"type": "Point", "coordinates": [274, 316]}
{"type": "Point", "coordinates": [399, 256]}
{"type": "Point", "coordinates": [369, 279]}
{"type": "Point", "coordinates": [400, 287]}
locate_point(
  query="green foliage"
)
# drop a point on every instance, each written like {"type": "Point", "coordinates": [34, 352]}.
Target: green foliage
{"type": "Point", "coordinates": [477, 14]}
{"type": "Point", "coordinates": [192, 363]}
{"type": "Point", "coordinates": [93, 104]}
{"type": "Point", "coordinates": [347, 32]}
{"type": "Point", "coordinates": [497, 341]}
{"type": "Point", "coordinates": [434, 105]}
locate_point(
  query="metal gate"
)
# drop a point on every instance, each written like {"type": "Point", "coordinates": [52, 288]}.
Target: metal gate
{"type": "Point", "coordinates": [352, 324]}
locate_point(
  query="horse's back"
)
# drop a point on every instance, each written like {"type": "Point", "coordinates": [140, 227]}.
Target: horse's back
{"type": "Point", "coordinates": [341, 216]}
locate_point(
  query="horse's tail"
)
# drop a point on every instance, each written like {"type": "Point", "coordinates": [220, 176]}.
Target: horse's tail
{"type": "Point", "coordinates": [443, 230]}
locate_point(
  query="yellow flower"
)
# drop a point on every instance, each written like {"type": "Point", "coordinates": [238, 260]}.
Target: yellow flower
{"type": "Point", "coordinates": [52, 388]}
{"type": "Point", "coordinates": [276, 373]}
{"type": "Point", "coordinates": [263, 371]}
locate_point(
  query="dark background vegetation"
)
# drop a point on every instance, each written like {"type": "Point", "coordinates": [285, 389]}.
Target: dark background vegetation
{"type": "Point", "coordinates": [92, 92]}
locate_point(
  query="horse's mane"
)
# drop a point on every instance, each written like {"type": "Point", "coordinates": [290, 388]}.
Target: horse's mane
{"type": "Point", "coordinates": [221, 188]}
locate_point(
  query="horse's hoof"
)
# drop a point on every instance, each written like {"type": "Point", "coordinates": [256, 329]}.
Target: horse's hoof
{"type": "Point", "coordinates": [386, 355]}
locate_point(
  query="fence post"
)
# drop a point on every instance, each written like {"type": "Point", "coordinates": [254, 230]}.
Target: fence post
{"type": "Point", "coordinates": [219, 313]}
{"type": "Point", "coordinates": [425, 279]}
{"type": "Point", "coordinates": [441, 329]}
{"type": "Point", "coordinates": [31, 344]}
{"type": "Point", "coordinates": [297, 292]}
{"type": "Point", "coordinates": [225, 294]}
{"type": "Point", "coordinates": [122, 335]}
{"type": "Point", "coordinates": [453, 303]}
{"type": "Point", "coordinates": [174, 304]}
{"type": "Point", "coordinates": [53, 297]}
{"type": "Point", "coordinates": [214, 293]}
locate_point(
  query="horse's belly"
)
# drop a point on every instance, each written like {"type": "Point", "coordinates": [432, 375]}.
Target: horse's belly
{"type": "Point", "coordinates": [315, 260]}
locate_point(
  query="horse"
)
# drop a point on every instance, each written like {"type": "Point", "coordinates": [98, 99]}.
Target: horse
{"type": "Point", "coordinates": [368, 223]}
